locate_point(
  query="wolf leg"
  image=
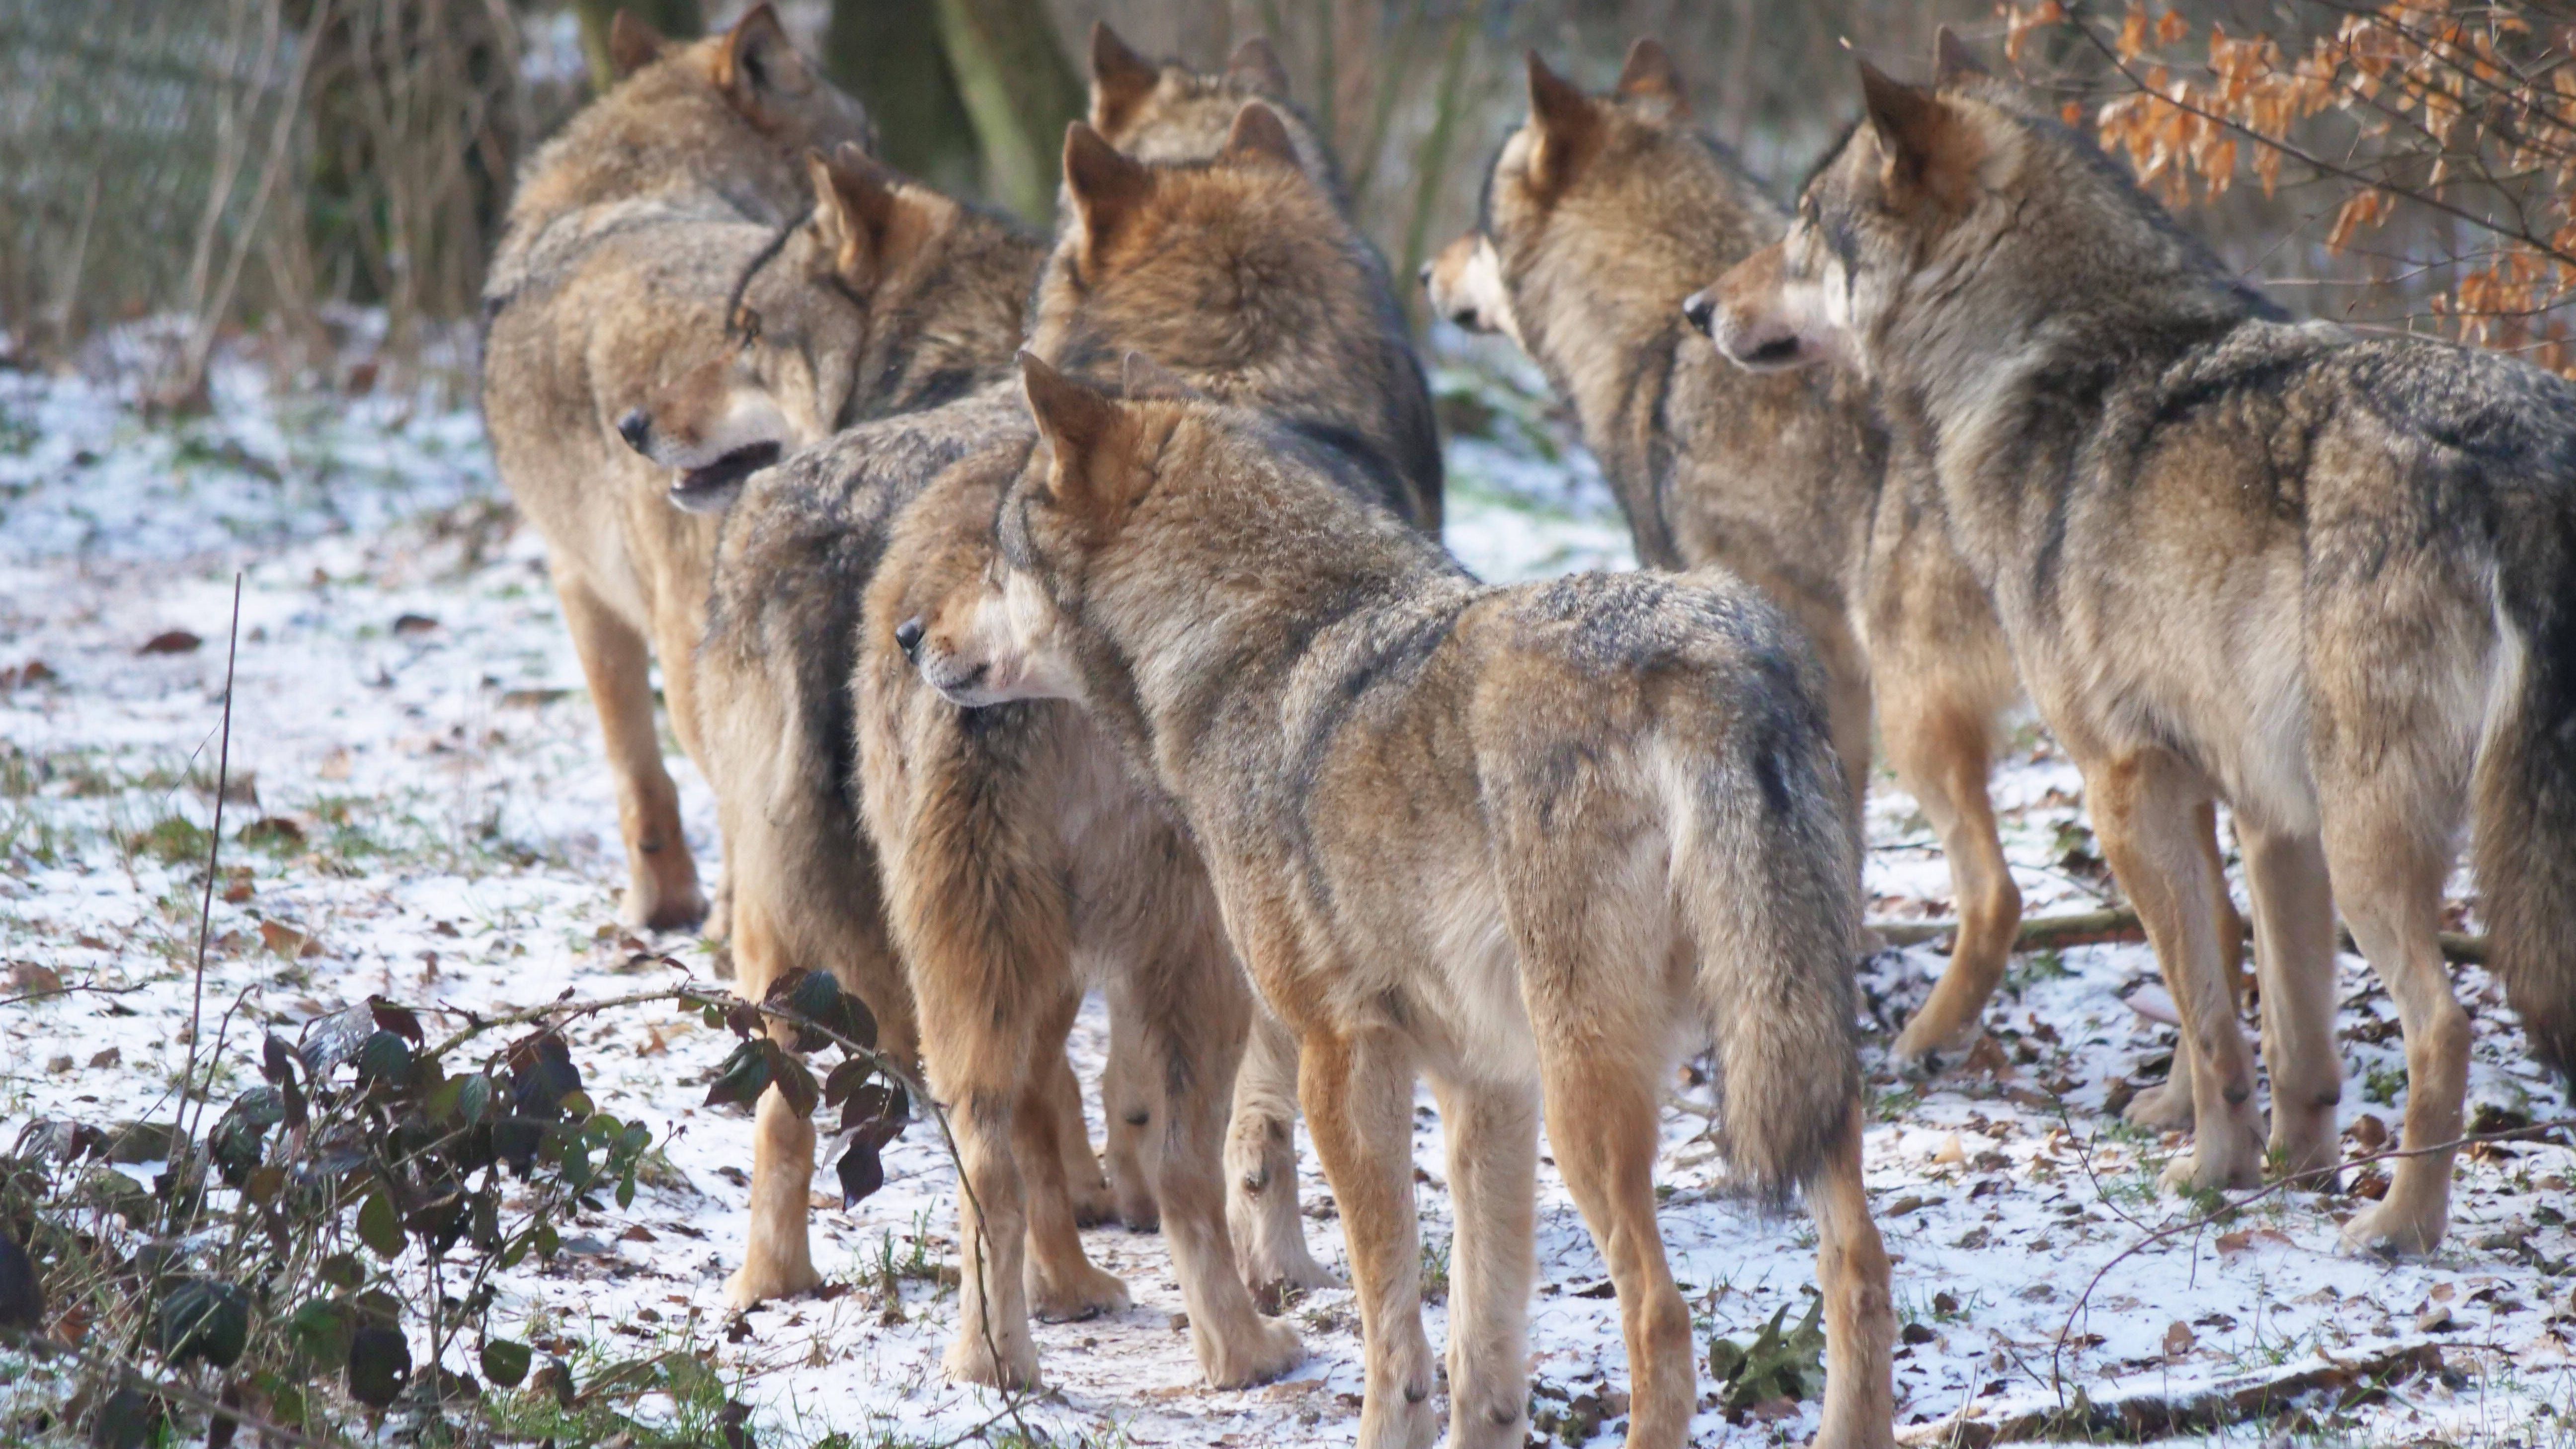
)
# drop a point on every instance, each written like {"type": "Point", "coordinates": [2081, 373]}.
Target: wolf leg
{"type": "Point", "coordinates": [662, 882]}
{"type": "Point", "coordinates": [1941, 749]}
{"type": "Point", "coordinates": [2167, 1106]}
{"type": "Point", "coordinates": [776, 1260]}
{"type": "Point", "coordinates": [1086, 1185]}
{"type": "Point", "coordinates": [2295, 956]}
{"type": "Point", "coordinates": [2388, 878]}
{"type": "Point", "coordinates": [1261, 1167]}
{"type": "Point", "coordinates": [1493, 1183]}
{"type": "Point", "coordinates": [1063, 1283]}
{"type": "Point", "coordinates": [2145, 812]}
{"type": "Point", "coordinates": [1357, 1091]}
{"type": "Point", "coordinates": [1860, 1317]}
{"type": "Point", "coordinates": [1130, 1102]}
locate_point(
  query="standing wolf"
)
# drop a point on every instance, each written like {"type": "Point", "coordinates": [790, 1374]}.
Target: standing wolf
{"type": "Point", "coordinates": [1601, 215]}
{"type": "Point", "coordinates": [626, 236]}
{"type": "Point", "coordinates": [1020, 857]}
{"type": "Point", "coordinates": [2327, 579]}
{"type": "Point", "coordinates": [1531, 840]}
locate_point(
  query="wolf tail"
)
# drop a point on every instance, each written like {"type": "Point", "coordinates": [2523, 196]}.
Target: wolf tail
{"type": "Point", "coordinates": [2526, 788]}
{"type": "Point", "coordinates": [1765, 872]}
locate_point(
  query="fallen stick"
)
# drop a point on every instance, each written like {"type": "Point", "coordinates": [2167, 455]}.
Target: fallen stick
{"type": "Point", "coordinates": [2118, 923]}
{"type": "Point", "coordinates": [2135, 1418]}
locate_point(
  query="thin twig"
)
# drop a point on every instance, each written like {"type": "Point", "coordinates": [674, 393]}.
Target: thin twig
{"type": "Point", "coordinates": [206, 910]}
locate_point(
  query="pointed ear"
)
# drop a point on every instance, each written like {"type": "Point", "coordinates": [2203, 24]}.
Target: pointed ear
{"type": "Point", "coordinates": [1142, 377]}
{"type": "Point", "coordinates": [1952, 61]}
{"type": "Point", "coordinates": [1649, 76]}
{"type": "Point", "coordinates": [1076, 420]}
{"type": "Point", "coordinates": [758, 59]}
{"type": "Point", "coordinates": [857, 207]}
{"type": "Point", "coordinates": [1911, 128]}
{"type": "Point", "coordinates": [1565, 125]}
{"type": "Point", "coordinates": [1259, 135]}
{"type": "Point", "coordinates": [1107, 183]}
{"type": "Point", "coordinates": [1256, 68]}
{"type": "Point", "coordinates": [633, 43]}
{"type": "Point", "coordinates": [1120, 78]}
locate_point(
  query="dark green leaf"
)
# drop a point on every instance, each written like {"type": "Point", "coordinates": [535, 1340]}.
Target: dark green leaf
{"type": "Point", "coordinates": [343, 1270]}
{"type": "Point", "coordinates": [378, 1227]}
{"type": "Point", "coordinates": [541, 1074]}
{"type": "Point", "coordinates": [379, 1364]}
{"type": "Point", "coordinates": [200, 1318]}
{"type": "Point", "coordinates": [861, 1172]}
{"type": "Point", "coordinates": [384, 1058]}
{"type": "Point", "coordinates": [274, 1059]}
{"type": "Point", "coordinates": [22, 1297]}
{"type": "Point", "coordinates": [127, 1420]}
{"type": "Point", "coordinates": [396, 1019]}
{"type": "Point", "coordinates": [743, 1076]}
{"type": "Point", "coordinates": [505, 1362]}
{"type": "Point", "coordinates": [320, 1332]}
{"type": "Point", "coordinates": [473, 1097]}
{"type": "Point", "coordinates": [788, 1074]}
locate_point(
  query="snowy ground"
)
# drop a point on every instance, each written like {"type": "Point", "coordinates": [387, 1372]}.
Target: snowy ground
{"type": "Point", "coordinates": [408, 700]}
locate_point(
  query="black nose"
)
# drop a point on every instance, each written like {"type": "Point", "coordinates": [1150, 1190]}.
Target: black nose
{"type": "Point", "coordinates": [1425, 274]}
{"type": "Point", "coordinates": [636, 428]}
{"type": "Point", "coordinates": [1699, 309]}
{"type": "Point", "coordinates": [907, 636]}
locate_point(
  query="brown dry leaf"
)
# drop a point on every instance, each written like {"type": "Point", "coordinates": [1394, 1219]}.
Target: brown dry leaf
{"type": "Point", "coordinates": [336, 765]}
{"type": "Point", "coordinates": [171, 641]}
{"type": "Point", "coordinates": [2179, 1339]}
{"type": "Point", "coordinates": [28, 976]}
{"type": "Point", "coordinates": [283, 939]}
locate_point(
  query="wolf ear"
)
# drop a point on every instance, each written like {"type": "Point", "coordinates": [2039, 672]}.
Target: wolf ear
{"type": "Point", "coordinates": [1120, 78]}
{"type": "Point", "coordinates": [1256, 68]}
{"type": "Point", "coordinates": [1925, 148]}
{"type": "Point", "coordinates": [1259, 135]}
{"type": "Point", "coordinates": [1565, 125]}
{"type": "Point", "coordinates": [1141, 377]}
{"type": "Point", "coordinates": [1649, 76]}
{"type": "Point", "coordinates": [1107, 183]}
{"type": "Point", "coordinates": [633, 43]}
{"type": "Point", "coordinates": [757, 58]}
{"type": "Point", "coordinates": [1952, 61]}
{"type": "Point", "coordinates": [858, 208]}
{"type": "Point", "coordinates": [1077, 421]}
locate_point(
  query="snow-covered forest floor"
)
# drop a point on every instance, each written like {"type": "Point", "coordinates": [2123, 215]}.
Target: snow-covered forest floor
{"type": "Point", "coordinates": [420, 811]}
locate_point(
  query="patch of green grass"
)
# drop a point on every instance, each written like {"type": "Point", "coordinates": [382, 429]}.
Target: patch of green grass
{"type": "Point", "coordinates": [2381, 1084]}
{"type": "Point", "coordinates": [1435, 1270]}
{"type": "Point", "coordinates": [173, 840]}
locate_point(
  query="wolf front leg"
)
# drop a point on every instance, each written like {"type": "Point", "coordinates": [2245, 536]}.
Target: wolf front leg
{"type": "Point", "coordinates": [1492, 1129]}
{"type": "Point", "coordinates": [1261, 1168]}
{"type": "Point", "coordinates": [662, 882]}
{"type": "Point", "coordinates": [1357, 1089]}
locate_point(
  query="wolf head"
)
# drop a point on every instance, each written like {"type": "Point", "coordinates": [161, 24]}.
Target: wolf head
{"type": "Point", "coordinates": [1240, 274]}
{"type": "Point", "coordinates": [1599, 205]}
{"type": "Point", "coordinates": [733, 113]}
{"type": "Point", "coordinates": [824, 320]}
{"type": "Point", "coordinates": [1160, 111]}
{"type": "Point", "coordinates": [1951, 226]}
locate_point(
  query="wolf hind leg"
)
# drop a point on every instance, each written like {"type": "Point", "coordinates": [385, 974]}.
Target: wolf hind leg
{"type": "Point", "coordinates": [2388, 876]}
{"type": "Point", "coordinates": [1357, 1091]}
{"type": "Point", "coordinates": [1131, 1105]}
{"type": "Point", "coordinates": [2167, 1106]}
{"type": "Point", "coordinates": [1261, 1168]}
{"type": "Point", "coordinates": [1852, 1271]}
{"type": "Point", "coordinates": [2294, 955]}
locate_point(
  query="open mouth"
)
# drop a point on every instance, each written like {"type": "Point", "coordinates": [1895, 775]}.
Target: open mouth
{"type": "Point", "coordinates": [710, 488]}
{"type": "Point", "coordinates": [1777, 350]}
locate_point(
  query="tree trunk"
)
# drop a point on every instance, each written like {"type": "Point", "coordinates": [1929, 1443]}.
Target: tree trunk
{"type": "Point", "coordinates": [888, 53]}
{"type": "Point", "coordinates": [1020, 91]}
{"type": "Point", "coordinates": [675, 19]}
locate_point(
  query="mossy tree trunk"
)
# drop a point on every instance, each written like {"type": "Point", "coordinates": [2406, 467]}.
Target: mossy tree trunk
{"type": "Point", "coordinates": [889, 54]}
{"type": "Point", "coordinates": [1019, 90]}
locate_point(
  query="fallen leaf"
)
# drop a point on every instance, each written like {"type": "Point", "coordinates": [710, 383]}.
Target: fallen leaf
{"type": "Point", "coordinates": [283, 939]}
{"type": "Point", "coordinates": [2179, 1338]}
{"type": "Point", "coordinates": [171, 641]}
{"type": "Point", "coordinates": [109, 1058]}
{"type": "Point", "coordinates": [28, 976]}
{"type": "Point", "coordinates": [2368, 1133]}
{"type": "Point", "coordinates": [414, 624]}
{"type": "Point", "coordinates": [1949, 1151]}
{"type": "Point", "coordinates": [336, 765]}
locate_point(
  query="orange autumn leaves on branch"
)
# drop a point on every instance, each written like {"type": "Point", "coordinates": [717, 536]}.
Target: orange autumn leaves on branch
{"type": "Point", "coordinates": [2464, 111]}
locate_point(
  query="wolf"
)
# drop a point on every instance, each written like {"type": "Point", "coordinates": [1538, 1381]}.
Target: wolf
{"type": "Point", "coordinates": [946, 285]}
{"type": "Point", "coordinates": [1530, 840]}
{"type": "Point", "coordinates": [1020, 857]}
{"type": "Point", "coordinates": [2326, 578]}
{"type": "Point", "coordinates": [1601, 214]}
{"type": "Point", "coordinates": [624, 238]}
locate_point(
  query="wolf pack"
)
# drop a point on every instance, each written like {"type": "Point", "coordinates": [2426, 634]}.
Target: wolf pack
{"type": "Point", "coordinates": [1070, 613]}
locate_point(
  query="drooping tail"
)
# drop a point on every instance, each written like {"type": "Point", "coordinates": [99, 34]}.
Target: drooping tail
{"type": "Point", "coordinates": [2526, 790]}
{"type": "Point", "coordinates": [1766, 872]}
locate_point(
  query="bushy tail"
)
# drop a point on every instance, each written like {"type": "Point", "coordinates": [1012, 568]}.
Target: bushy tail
{"type": "Point", "coordinates": [1767, 876]}
{"type": "Point", "coordinates": [2526, 791]}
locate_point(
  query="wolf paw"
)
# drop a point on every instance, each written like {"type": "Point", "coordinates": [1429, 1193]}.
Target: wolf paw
{"type": "Point", "coordinates": [1088, 1293]}
{"type": "Point", "coordinates": [753, 1284]}
{"type": "Point", "coordinates": [660, 908]}
{"type": "Point", "coordinates": [2388, 1231]}
{"type": "Point", "coordinates": [2164, 1107]}
{"type": "Point", "coordinates": [1000, 1360]}
{"type": "Point", "coordinates": [2209, 1167]}
{"type": "Point", "coordinates": [1269, 1350]}
{"type": "Point", "coordinates": [1923, 1049]}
